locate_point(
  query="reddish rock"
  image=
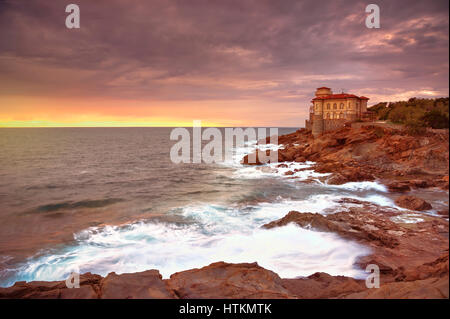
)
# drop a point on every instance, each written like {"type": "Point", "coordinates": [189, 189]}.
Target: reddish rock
{"type": "Point", "coordinates": [140, 285]}
{"type": "Point", "coordinates": [380, 152]}
{"type": "Point", "coordinates": [323, 285]}
{"type": "Point", "coordinates": [53, 289]}
{"type": "Point", "coordinates": [399, 187]}
{"type": "Point", "coordinates": [337, 179]}
{"type": "Point", "coordinates": [420, 183]}
{"type": "Point", "coordinates": [432, 288]}
{"type": "Point", "coordinates": [223, 280]}
{"type": "Point", "coordinates": [413, 203]}
{"type": "Point", "coordinates": [353, 226]}
{"type": "Point", "coordinates": [443, 212]}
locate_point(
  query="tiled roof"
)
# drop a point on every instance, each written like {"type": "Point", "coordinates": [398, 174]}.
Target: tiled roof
{"type": "Point", "coordinates": [339, 96]}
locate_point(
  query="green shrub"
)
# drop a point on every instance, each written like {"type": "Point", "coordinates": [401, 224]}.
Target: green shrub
{"type": "Point", "coordinates": [432, 112]}
{"type": "Point", "coordinates": [435, 119]}
{"type": "Point", "coordinates": [415, 127]}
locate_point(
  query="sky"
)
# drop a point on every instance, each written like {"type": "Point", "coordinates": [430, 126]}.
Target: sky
{"type": "Point", "coordinates": [226, 63]}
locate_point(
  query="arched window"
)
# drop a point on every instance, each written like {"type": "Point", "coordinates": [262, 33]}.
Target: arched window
{"type": "Point", "coordinates": [342, 105]}
{"type": "Point", "coordinates": [328, 106]}
{"type": "Point", "coordinates": [334, 106]}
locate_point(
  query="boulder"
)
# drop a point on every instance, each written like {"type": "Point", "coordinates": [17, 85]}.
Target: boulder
{"type": "Point", "coordinates": [399, 187]}
{"type": "Point", "coordinates": [141, 285]}
{"type": "Point", "coordinates": [412, 203]}
{"type": "Point", "coordinates": [224, 280]}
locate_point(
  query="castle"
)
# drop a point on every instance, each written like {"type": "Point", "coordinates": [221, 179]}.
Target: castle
{"type": "Point", "coordinates": [331, 111]}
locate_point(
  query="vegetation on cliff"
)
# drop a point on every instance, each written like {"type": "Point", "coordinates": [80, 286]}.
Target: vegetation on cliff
{"type": "Point", "coordinates": [416, 113]}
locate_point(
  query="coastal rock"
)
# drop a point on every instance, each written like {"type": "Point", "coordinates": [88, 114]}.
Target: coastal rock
{"type": "Point", "coordinates": [399, 187]}
{"type": "Point", "coordinates": [322, 285]}
{"type": "Point", "coordinates": [375, 152]}
{"type": "Point", "coordinates": [413, 203]}
{"type": "Point", "coordinates": [53, 289]}
{"type": "Point", "coordinates": [444, 182]}
{"type": "Point", "coordinates": [223, 280]}
{"type": "Point", "coordinates": [394, 242]}
{"type": "Point", "coordinates": [443, 212]}
{"type": "Point", "coordinates": [353, 226]}
{"type": "Point", "coordinates": [140, 285]}
{"type": "Point", "coordinates": [347, 175]}
{"type": "Point", "coordinates": [432, 288]}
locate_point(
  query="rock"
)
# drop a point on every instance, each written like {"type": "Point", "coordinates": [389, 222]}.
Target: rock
{"type": "Point", "coordinates": [412, 203]}
{"type": "Point", "coordinates": [347, 175]}
{"type": "Point", "coordinates": [432, 288]}
{"type": "Point", "coordinates": [444, 182]}
{"type": "Point", "coordinates": [140, 285]}
{"type": "Point", "coordinates": [353, 226]}
{"type": "Point", "coordinates": [53, 289]}
{"type": "Point", "coordinates": [323, 285]}
{"type": "Point", "coordinates": [420, 183]}
{"type": "Point", "coordinates": [223, 280]}
{"type": "Point", "coordinates": [443, 212]}
{"type": "Point", "coordinates": [289, 173]}
{"type": "Point", "coordinates": [309, 220]}
{"type": "Point", "coordinates": [398, 187]}
{"type": "Point", "coordinates": [337, 179]}
{"type": "Point", "coordinates": [84, 292]}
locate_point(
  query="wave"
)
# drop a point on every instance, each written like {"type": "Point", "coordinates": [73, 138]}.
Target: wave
{"type": "Point", "coordinates": [209, 234]}
{"type": "Point", "coordinates": [80, 204]}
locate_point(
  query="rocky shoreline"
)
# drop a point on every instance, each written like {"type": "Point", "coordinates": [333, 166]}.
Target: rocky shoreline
{"type": "Point", "coordinates": [413, 257]}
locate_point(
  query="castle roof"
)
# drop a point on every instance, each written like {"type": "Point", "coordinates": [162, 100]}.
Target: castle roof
{"type": "Point", "coordinates": [323, 87]}
{"type": "Point", "coordinates": [339, 96]}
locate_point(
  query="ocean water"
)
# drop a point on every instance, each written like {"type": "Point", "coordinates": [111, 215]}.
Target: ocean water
{"type": "Point", "coordinates": [110, 199]}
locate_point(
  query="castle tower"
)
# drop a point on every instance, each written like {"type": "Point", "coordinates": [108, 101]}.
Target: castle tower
{"type": "Point", "coordinates": [323, 91]}
{"type": "Point", "coordinates": [317, 123]}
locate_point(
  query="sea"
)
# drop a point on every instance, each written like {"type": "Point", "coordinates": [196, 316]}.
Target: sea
{"type": "Point", "coordinates": [104, 200]}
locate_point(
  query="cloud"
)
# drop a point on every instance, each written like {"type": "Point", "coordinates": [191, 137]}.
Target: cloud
{"type": "Point", "coordinates": [276, 52]}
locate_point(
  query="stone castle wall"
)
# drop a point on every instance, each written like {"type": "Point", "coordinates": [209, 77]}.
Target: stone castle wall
{"type": "Point", "coordinates": [329, 125]}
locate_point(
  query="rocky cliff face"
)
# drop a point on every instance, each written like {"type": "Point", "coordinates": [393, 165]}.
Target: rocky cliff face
{"type": "Point", "coordinates": [369, 152]}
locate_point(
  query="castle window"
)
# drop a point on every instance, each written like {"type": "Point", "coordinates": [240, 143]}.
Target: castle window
{"type": "Point", "coordinates": [328, 114]}
{"type": "Point", "coordinates": [342, 105]}
{"type": "Point", "coordinates": [334, 106]}
{"type": "Point", "coordinates": [328, 106]}
{"type": "Point", "coordinates": [341, 116]}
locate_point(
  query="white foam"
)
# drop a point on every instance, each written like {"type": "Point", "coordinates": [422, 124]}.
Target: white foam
{"type": "Point", "coordinates": [356, 186]}
{"type": "Point", "coordinates": [407, 218]}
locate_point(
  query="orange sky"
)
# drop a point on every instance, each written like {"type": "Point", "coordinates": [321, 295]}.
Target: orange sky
{"type": "Point", "coordinates": [52, 112]}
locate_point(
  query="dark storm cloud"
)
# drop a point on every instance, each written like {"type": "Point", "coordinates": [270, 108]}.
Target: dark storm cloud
{"type": "Point", "coordinates": [221, 50]}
